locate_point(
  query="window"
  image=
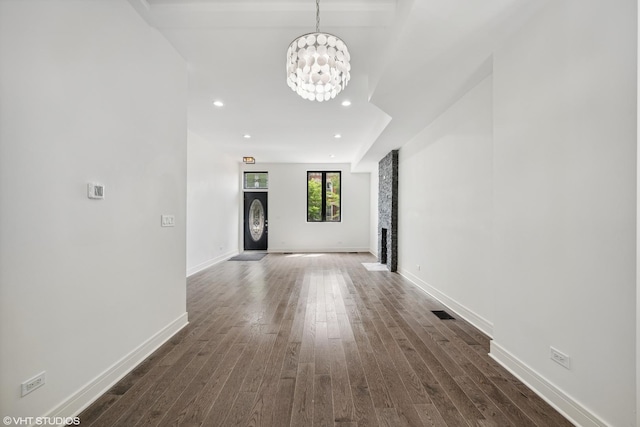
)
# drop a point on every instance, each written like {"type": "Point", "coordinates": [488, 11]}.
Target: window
{"type": "Point", "coordinates": [256, 180]}
{"type": "Point", "coordinates": [323, 197]}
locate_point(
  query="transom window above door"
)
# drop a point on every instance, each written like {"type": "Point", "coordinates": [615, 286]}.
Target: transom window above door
{"type": "Point", "coordinates": [256, 180]}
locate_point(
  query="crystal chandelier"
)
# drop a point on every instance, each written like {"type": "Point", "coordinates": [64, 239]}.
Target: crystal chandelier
{"type": "Point", "coordinates": [318, 64]}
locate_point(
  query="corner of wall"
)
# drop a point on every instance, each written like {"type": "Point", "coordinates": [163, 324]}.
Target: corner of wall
{"type": "Point", "coordinates": [211, 262]}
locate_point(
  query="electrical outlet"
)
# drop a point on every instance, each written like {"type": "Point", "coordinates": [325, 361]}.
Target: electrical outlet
{"type": "Point", "coordinates": [560, 358]}
{"type": "Point", "coordinates": [167, 220]}
{"type": "Point", "coordinates": [36, 382]}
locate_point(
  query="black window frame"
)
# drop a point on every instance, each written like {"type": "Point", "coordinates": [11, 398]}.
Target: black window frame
{"type": "Point", "coordinates": [323, 215]}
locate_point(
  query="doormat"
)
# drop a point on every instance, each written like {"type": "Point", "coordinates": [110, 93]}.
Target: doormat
{"type": "Point", "coordinates": [375, 266]}
{"type": "Point", "coordinates": [249, 256]}
{"type": "Point", "coordinates": [443, 315]}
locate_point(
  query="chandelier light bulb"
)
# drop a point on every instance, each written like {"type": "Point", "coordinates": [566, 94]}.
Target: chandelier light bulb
{"type": "Point", "coordinates": [318, 64]}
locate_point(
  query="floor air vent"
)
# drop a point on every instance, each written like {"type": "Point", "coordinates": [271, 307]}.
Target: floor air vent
{"type": "Point", "coordinates": [443, 315]}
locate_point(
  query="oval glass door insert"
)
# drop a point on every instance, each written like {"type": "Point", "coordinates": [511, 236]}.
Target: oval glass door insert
{"type": "Point", "coordinates": [256, 220]}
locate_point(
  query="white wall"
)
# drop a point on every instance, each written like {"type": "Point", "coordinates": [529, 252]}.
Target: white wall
{"type": "Point", "coordinates": [89, 93]}
{"type": "Point", "coordinates": [519, 205]}
{"type": "Point", "coordinates": [373, 212]}
{"type": "Point", "coordinates": [637, 231]}
{"type": "Point", "coordinates": [565, 205]}
{"type": "Point", "coordinates": [213, 205]}
{"type": "Point", "coordinates": [444, 236]}
{"type": "Point", "coordinates": [289, 230]}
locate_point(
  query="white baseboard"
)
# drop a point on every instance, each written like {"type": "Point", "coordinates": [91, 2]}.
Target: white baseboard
{"type": "Point", "coordinates": [316, 250]}
{"type": "Point", "coordinates": [88, 394]}
{"type": "Point", "coordinates": [213, 261]}
{"type": "Point", "coordinates": [469, 315]}
{"type": "Point", "coordinates": [563, 403]}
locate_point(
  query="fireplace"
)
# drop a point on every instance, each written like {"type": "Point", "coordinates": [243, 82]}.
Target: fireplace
{"type": "Point", "coordinates": [388, 210]}
{"type": "Point", "coordinates": [383, 246]}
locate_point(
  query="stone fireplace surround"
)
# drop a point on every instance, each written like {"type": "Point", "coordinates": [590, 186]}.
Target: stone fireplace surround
{"type": "Point", "coordinates": [388, 211]}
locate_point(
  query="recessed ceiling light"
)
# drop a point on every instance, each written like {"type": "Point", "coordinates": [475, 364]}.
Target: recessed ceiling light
{"type": "Point", "coordinates": [346, 103]}
{"type": "Point", "coordinates": [218, 103]}
{"type": "Point", "coordinates": [337, 136]}
{"type": "Point", "coordinates": [332, 155]}
{"type": "Point", "coordinates": [246, 136]}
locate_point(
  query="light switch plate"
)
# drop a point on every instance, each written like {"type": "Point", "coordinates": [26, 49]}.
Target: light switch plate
{"type": "Point", "coordinates": [167, 220]}
{"type": "Point", "coordinates": [95, 191]}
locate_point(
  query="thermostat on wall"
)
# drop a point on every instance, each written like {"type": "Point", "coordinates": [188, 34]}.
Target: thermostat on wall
{"type": "Point", "coordinates": [95, 191]}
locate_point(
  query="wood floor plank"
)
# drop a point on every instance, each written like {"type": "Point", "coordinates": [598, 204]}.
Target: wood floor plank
{"type": "Point", "coordinates": [333, 327]}
{"type": "Point", "coordinates": [492, 414]}
{"type": "Point", "coordinates": [283, 403]}
{"type": "Point", "coordinates": [408, 376]}
{"type": "Point", "coordinates": [112, 413]}
{"type": "Point", "coordinates": [221, 344]}
{"type": "Point", "coordinates": [299, 316]}
{"type": "Point", "coordinates": [255, 372]}
{"type": "Point", "coordinates": [270, 405]}
{"type": "Point", "coordinates": [291, 360]}
{"type": "Point", "coordinates": [134, 412]}
{"type": "Point", "coordinates": [436, 392]}
{"type": "Point", "coordinates": [99, 407]}
{"type": "Point", "coordinates": [322, 362]}
{"type": "Point", "coordinates": [302, 410]}
{"type": "Point", "coordinates": [343, 408]}
{"type": "Point", "coordinates": [195, 413]}
{"type": "Point", "coordinates": [228, 394]}
{"type": "Point", "coordinates": [492, 402]}
{"type": "Point", "coordinates": [295, 340]}
{"type": "Point", "coordinates": [262, 411]}
{"type": "Point", "coordinates": [322, 401]}
{"type": "Point", "coordinates": [240, 411]}
{"type": "Point", "coordinates": [362, 401]}
{"type": "Point", "coordinates": [165, 401]}
{"type": "Point", "coordinates": [393, 379]}
{"type": "Point", "coordinates": [377, 385]}
{"type": "Point", "coordinates": [430, 415]}
{"type": "Point", "coordinates": [440, 364]}
{"type": "Point", "coordinates": [388, 417]}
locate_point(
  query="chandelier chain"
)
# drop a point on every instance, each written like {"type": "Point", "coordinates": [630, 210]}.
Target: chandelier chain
{"type": "Point", "coordinates": [317, 16]}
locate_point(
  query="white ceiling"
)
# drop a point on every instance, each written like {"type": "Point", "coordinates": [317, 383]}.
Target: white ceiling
{"type": "Point", "coordinates": [410, 60]}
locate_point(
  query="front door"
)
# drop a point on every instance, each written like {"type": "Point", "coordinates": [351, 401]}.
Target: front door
{"type": "Point", "coordinates": [255, 221]}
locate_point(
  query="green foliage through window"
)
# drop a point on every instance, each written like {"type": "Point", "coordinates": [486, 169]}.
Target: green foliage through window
{"type": "Point", "coordinates": [323, 197]}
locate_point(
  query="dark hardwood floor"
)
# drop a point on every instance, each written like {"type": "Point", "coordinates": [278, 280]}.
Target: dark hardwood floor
{"type": "Point", "coordinates": [316, 339]}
